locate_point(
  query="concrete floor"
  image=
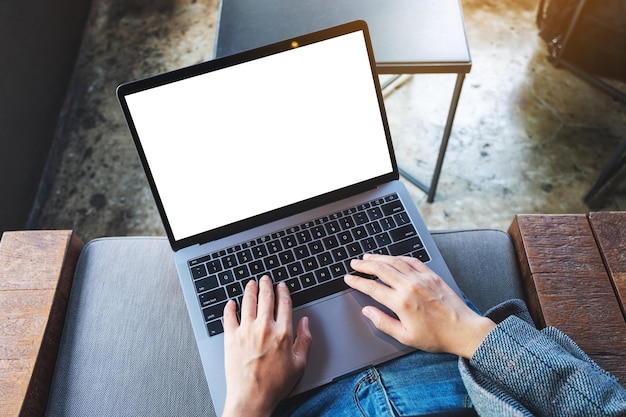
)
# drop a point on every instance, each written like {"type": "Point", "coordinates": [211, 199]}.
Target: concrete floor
{"type": "Point", "coordinates": [527, 138]}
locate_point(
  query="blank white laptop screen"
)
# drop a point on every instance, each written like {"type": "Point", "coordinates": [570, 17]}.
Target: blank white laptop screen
{"type": "Point", "coordinates": [247, 139]}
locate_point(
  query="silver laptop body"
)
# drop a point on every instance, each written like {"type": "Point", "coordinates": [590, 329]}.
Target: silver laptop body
{"type": "Point", "coordinates": [245, 149]}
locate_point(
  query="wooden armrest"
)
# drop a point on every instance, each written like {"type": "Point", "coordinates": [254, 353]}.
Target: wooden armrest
{"type": "Point", "coordinates": [574, 273]}
{"type": "Point", "coordinates": [36, 272]}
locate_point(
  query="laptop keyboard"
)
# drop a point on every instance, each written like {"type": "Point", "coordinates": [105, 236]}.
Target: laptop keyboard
{"type": "Point", "coordinates": [311, 258]}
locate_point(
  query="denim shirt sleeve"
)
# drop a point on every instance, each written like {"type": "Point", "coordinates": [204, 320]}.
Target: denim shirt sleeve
{"type": "Point", "coordinates": [519, 370]}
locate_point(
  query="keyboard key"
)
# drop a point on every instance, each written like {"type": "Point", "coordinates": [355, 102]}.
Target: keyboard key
{"type": "Point", "coordinates": [303, 237]}
{"type": "Point", "coordinates": [361, 218]}
{"type": "Point", "coordinates": [330, 242]}
{"type": "Point", "coordinates": [363, 275]}
{"type": "Point", "coordinates": [215, 327]}
{"type": "Point", "coordinates": [406, 246]}
{"type": "Point", "coordinates": [421, 255]}
{"type": "Point", "coordinates": [345, 237]}
{"type": "Point", "coordinates": [214, 266]}
{"type": "Point", "coordinates": [338, 270]}
{"type": "Point", "coordinates": [293, 284]}
{"type": "Point", "coordinates": [378, 201]}
{"type": "Point", "coordinates": [212, 297]}
{"type": "Point", "coordinates": [373, 228]}
{"type": "Point", "coordinates": [359, 232]}
{"type": "Point", "coordinates": [279, 274]}
{"type": "Point", "coordinates": [319, 232]}
{"type": "Point", "coordinates": [325, 259]}
{"type": "Point", "coordinates": [271, 262]}
{"type": "Point", "coordinates": [289, 241]}
{"type": "Point", "coordinates": [318, 291]}
{"type": "Point", "coordinates": [199, 271]}
{"type": "Point", "coordinates": [332, 227]}
{"type": "Point", "coordinates": [339, 254]}
{"type": "Point", "coordinates": [234, 290]}
{"type": "Point", "coordinates": [307, 280]}
{"type": "Point", "coordinates": [301, 252]}
{"type": "Point", "coordinates": [403, 232]}
{"type": "Point", "coordinates": [349, 212]}
{"type": "Point", "coordinates": [381, 251]}
{"type": "Point", "coordinates": [244, 256]}
{"type": "Point", "coordinates": [295, 269]}
{"type": "Point", "coordinates": [310, 264]}
{"type": "Point", "coordinates": [375, 213]}
{"type": "Point", "coordinates": [369, 245]}
{"type": "Point", "coordinates": [392, 208]}
{"type": "Point", "coordinates": [316, 247]}
{"type": "Point", "coordinates": [206, 284]}
{"type": "Point", "coordinates": [259, 251]}
{"type": "Point", "coordinates": [354, 250]}
{"type": "Point", "coordinates": [241, 272]}
{"type": "Point", "coordinates": [346, 223]}
{"type": "Point", "coordinates": [256, 268]}
{"type": "Point", "coordinates": [387, 223]}
{"type": "Point", "coordinates": [383, 239]}
{"type": "Point", "coordinates": [213, 312]}
{"type": "Point", "coordinates": [274, 246]}
{"type": "Point", "coordinates": [229, 261]}
{"type": "Point", "coordinates": [202, 260]}
{"type": "Point", "coordinates": [226, 277]}
{"type": "Point", "coordinates": [401, 218]}
{"type": "Point", "coordinates": [322, 275]}
{"type": "Point", "coordinates": [286, 257]}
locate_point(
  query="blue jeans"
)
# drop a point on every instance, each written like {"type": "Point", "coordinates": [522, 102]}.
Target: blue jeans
{"type": "Point", "coordinates": [418, 383]}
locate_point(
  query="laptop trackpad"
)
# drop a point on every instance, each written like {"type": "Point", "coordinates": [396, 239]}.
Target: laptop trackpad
{"type": "Point", "coordinates": [343, 339]}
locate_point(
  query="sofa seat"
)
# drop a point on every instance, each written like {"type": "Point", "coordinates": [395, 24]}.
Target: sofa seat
{"type": "Point", "coordinates": [128, 349]}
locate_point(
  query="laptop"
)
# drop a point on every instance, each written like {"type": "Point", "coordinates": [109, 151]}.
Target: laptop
{"type": "Point", "coordinates": [279, 161]}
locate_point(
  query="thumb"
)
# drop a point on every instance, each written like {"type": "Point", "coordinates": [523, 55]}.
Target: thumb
{"type": "Point", "coordinates": [303, 341]}
{"type": "Point", "coordinates": [384, 322]}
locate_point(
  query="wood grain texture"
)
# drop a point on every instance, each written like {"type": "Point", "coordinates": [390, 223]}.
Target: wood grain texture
{"type": "Point", "coordinates": [568, 285]}
{"type": "Point", "coordinates": [609, 229]}
{"type": "Point", "coordinates": [36, 271]}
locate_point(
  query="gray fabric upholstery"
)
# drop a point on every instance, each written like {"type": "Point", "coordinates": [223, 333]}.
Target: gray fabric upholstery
{"type": "Point", "coordinates": [483, 263]}
{"type": "Point", "coordinates": [128, 349]}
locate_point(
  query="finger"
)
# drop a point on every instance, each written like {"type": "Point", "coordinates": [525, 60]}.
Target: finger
{"type": "Point", "coordinates": [402, 264]}
{"type": "Point", "coordinates": [249, 302]}
{"type": "Point", "coordinates": [284, 313]}
{"type": "Point", "coordinates": [383, 322]}
{"type": "Point", "coordinates": [230, 317]}
{"type": "Point", "coordinates": [265, 309]}
{"type": "Point", "coordinates": [416, 264]}
{"type": "Point", "coordinates": [302, 344]}
{"type": "Point", "coordinates": [374, 265]}
{"type": "Point", "coordinates": [372, 288]}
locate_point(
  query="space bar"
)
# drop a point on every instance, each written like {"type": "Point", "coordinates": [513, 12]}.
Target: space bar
{"type": "Point", "coordinates": [317, 292]}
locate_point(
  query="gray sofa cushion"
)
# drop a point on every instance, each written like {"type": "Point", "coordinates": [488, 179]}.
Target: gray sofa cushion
{"type": "Point", "coordinates": [128, 349]}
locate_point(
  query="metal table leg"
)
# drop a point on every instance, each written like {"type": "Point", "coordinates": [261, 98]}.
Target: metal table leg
{"type": "Point", "coordinates": [444, 145]}
{"type": "Point", "coordinates": [618, 159]}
